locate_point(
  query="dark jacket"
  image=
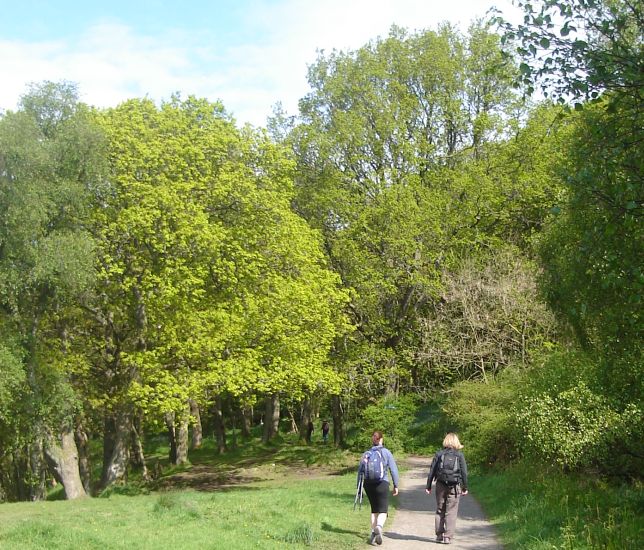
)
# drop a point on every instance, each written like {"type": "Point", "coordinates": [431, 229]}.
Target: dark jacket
{"type": "Point", "coordinates": [462, 465]}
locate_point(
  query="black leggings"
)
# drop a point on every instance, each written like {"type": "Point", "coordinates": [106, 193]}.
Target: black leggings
{"type": "Point", "coordinates": [378, 494]}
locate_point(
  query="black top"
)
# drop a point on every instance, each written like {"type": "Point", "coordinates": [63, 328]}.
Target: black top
{"type": "Point", "coordinates": [433, 471]}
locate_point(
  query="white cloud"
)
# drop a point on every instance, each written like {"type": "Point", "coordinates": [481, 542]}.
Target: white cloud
{"type": "Point", "coordinates": [110, 62]}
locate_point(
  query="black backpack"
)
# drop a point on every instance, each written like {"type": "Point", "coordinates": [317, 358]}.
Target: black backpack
{"type": "Point", "coordinates": [449, 471]}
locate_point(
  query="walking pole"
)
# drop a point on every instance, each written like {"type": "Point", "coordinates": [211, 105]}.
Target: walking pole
{"type": "Point", "coordinates": [358, 498]}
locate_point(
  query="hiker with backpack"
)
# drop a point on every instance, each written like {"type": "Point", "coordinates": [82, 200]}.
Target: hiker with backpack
{"type": "Point", "coordinates": [450, 472]}
{"type": "Point", "coordinates": [373, 476]}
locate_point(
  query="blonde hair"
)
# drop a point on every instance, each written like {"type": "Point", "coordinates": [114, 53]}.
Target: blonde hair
{"type": "Point", "coordinates": [451, 441]}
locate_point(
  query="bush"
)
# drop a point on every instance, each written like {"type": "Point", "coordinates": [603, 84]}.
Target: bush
{"type": "Point", "coordinates": [428, 429]}
{"type": "Point", "coordinates": [393, 416]}
{"type": "Point", "coordinates": [558, 412]}
{"type": "Point", "coordinates": [575, 428]}
{"type": "Point", "coordinates": [482, 413]}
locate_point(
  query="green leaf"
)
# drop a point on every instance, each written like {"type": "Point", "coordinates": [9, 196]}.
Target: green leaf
{"type": "Point", "coordinates": [545, 43]}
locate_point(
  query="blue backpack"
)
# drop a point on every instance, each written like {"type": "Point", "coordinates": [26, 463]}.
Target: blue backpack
{"type": "Point", "coordinates": [373, 465]}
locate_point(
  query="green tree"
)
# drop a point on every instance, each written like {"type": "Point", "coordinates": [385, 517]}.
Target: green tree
{"type": "Point", "coordinates": [50, 169]}
{"type": "Point", "coordinates": [380, 138]}
{"type": "Point", "coordinates": [210, 284]}
{"type": "Point", "coordinates": [580, 50]}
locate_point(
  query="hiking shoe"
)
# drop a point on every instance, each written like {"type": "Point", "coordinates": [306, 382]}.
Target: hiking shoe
{"type": "Point", "coordinates": [378, 534]}
{"type": "Point", "coordinates": [372, 537]}
{"type": "Point", "coordinates": [439, 538]}
{"type": "Point", "coordinates": [447, 540]}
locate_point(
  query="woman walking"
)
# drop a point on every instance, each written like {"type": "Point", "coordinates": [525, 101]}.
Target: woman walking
{"type": "Point", "coordinates": [373, 474]}
{"type": "Point", "coordinates": [450, 472]}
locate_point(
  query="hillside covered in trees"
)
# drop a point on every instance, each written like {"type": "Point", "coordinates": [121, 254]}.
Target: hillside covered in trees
{"type": "Point", "coordinates": [424, 229]}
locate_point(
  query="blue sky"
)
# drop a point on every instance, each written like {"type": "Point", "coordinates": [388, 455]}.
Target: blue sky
{"type": "Point", "coordinates": [249, 54]}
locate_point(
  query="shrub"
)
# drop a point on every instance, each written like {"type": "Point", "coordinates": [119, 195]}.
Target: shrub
{"type": "Point", "coordinates": [393, 416]}
{"type": "Point", "coordinates": [428, 429]}
{"type": "Point", "coordinates": [575, 428]}
{"type": "Point", "coordinates": [482, 413]}
{"type": "Point", "coordinates": [558, 412]}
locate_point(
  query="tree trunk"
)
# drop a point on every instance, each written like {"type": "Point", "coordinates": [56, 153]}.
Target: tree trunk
{"type": "Point", "coordinates": [36, 470]}
{"type": "Point", "coordinates": [306, 421]}
{"type": "Point", "coordinates": [219, 426]}
{"type": "Point", "coordinates": [182, 439]}
{"type": "Point", "coordinates": [138, 456]}
{"type": "Point", "coordinates": [62, 457]}
{"type": "Point", "coordinates": [246, 421]}
{"type": "Point", "coordinates": [172, 437]}
{"type": "Point", "coordinates": [21, 466]}
{"type": "Point", "coordinates": [82, 444]}
{"type": "Point", "coordinates": [109, 429]}
{"type": "Point", "coordinates": [117, 466]}
{"type": "Point", "coordinates": [294, 427]}
{"type": "Point", "coordinates": [197, 430]}
{"type": "Point", "coordinates": [338, 421]}
{"type": "Point", "coordinates": [271, 418]}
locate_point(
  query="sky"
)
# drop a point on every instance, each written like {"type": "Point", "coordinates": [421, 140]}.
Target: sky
{"type": "Point", "coordinates": [249, 54]}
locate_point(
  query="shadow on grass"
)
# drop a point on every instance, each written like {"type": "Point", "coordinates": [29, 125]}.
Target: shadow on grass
{"type": "Point", "coordinates": [251, 461]}
{"type": "Point", "coordinates": [331, 528]}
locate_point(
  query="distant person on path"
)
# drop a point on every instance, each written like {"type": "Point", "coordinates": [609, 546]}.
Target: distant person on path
{"type": "Point", "coordinates": [373, 475]}
{"type": "Point", "coordinates": [450, 472]}
{"type": "Point", "coordinates": [325, 431]}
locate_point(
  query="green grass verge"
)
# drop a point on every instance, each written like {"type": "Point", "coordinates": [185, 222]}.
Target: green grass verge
{"type": "Point", "coordinates": [286, 513]}
{"type": "Point", "coordinates": [538, 511]}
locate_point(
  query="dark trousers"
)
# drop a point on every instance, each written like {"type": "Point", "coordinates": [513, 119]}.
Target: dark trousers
{"type": "Point", "coordinates": [446, 509]}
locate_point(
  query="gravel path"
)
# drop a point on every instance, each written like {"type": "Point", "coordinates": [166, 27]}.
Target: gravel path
{"type": "Point", "coordinates": [413, 524]}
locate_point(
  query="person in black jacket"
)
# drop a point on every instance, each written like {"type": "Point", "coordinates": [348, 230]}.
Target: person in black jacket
{"type": "Point", "coordinates": [450, 472]}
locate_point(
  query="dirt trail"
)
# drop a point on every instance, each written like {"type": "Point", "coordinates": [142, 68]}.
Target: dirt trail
{"type": "Point", "coordinates": [413, 524]}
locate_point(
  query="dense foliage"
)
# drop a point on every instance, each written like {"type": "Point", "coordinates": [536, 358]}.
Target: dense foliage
{"type": "Point", "coordinates": [419, 232]}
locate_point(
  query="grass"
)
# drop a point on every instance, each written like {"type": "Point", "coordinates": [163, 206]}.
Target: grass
{"type": "Point", "coordinates": [248, 463]}
{"type": "Point", "coordinates": [537, 511]}
{"type": "Point", "coordinates": [281, 495]}
{"type": "Point", "coordinates": [285, 513]}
